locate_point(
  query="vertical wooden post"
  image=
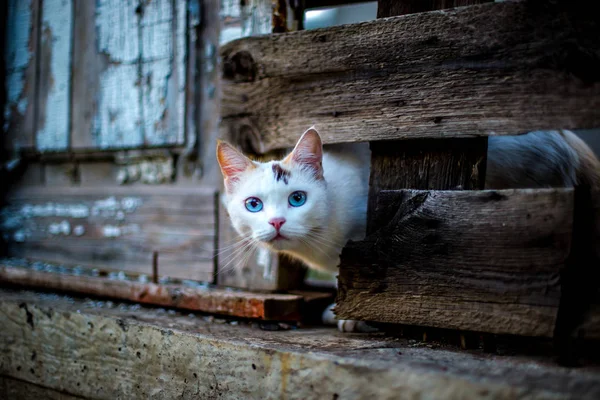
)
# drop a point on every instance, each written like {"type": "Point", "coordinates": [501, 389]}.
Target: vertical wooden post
{"type": "Point", "coordinates": [424, 163]}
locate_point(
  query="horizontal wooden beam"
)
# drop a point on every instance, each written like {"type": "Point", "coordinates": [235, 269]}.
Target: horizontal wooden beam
{"type": "Point", "coordinates": [90, 349]}
{"type": "Point", "coordinates": [278, 307]}
{"type": "Point", "coordinates": [110, 227]}
{"type": "Point", "coordinates": [497, 68]}
{"type": "Point", "coordinates": [484, 261]}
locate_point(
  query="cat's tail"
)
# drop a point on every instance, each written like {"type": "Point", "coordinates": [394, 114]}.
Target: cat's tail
{"type": "Point", "coordinates": [588, 179]}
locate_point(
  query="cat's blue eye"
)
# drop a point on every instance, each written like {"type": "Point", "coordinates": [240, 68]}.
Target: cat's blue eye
{"type": "Point", "coordinates": [297, 199]}
{"type": "Point", "coordinates": [253, 204]}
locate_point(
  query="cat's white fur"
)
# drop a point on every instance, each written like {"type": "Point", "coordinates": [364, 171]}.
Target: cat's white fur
{"type": "Point", "coordinates": [334, 212]}
{"type": "Point", "coordinates": [336, 206]}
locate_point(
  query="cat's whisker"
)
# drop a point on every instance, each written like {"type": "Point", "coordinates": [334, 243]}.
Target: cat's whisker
{"type": "Point", "coordinates": [250, 246]}
{"type": "Point", "coordinates": [317, 236]}
{"type": "Point", "coordinates": [236, 252]}
{"type": "Point", "coordinates": [225, 249]}
{"type": "Point", "coordinates": [314, 245]}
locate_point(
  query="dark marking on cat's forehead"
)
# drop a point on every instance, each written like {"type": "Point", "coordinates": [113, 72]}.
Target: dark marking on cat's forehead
{"type": "Point", "coordinates": [280, 173]}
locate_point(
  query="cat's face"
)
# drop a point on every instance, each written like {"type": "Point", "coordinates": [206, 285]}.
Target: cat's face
{"type": "Point", "coordinates": [280, 204]}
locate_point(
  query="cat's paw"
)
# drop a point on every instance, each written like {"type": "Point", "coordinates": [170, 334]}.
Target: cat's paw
{"type": "Point", "coordinates": [328, 317]}
{"type": "Point", "coordinates": [345, 325]}
{"type": "Point", "coordinates": [348, 325]}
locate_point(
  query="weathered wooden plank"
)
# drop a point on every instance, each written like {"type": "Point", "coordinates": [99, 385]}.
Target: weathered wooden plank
{"type": "Point", "coordinates": [20, 57]}
{"type": "Point", "coordinates": [179, 72]}
{"type": "Point", "coordinates": [277, 307]}
{"type": "Point", "coordinates": [98, 173]}
{"type": "Point", "coordinates": [88, 65]}
{"type": "Point", "coordinates": [389, 8]}
{"type": "Point", "coordinates": [486, 261]}
{"type": "Point", "coordinates": [120, 228]}
{"type": "Point", "coordinates": [134, 58]}
{"type": "Point", "coordinates": [119, 119]}
{"type": "Point", "coordinates": [63, 174]}
{"type": "Point", "coordinates": [18, 389]}
{"type": "Point", "coordinates": [449, 164]}
{"type": "Point", "coordinates": [161, 104]}
{"type": "Point", "coordinates": [94, 349]}
{"type": "Point", "coordinates": [502, 68]}
{"type": "Point", "coordinates": [54, 92]}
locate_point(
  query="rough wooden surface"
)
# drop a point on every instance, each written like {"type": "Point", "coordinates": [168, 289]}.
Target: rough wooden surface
{"type": "Point", "coordinates": [18, 389]}
{"type": "Point", "coordinates": [86, 70]}
{"type": "Point", "coordinates": [502, 68]}
{"type": "Point", "coordinates": [54, 85]}
{"type": "Point", "coordinates": [20, 57]}
{"type": "Point", "coordinates": [449, 164]}
{"type": "Point", "coordinates": [124, 64]}
{"type": "Point", "coordinates": [389, 8]}
{"type": "Point", "coordinates": [99, 350]}
{"type": "Point", "coordinates": [115, 227]}
{"type": "Point", "coordinates": [485, 261]}
{"type": "Point", "coordinates": [278, 307]}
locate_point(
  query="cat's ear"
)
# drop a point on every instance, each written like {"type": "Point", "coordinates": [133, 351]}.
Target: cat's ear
{"type": "Point", "coordinates": [232, 163]}
{"type": "Point", "coordinates": [308, 152]}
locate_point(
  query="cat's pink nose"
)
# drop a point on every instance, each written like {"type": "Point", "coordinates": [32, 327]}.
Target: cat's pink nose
{"type": "Point", "coordinates": [277, 222]}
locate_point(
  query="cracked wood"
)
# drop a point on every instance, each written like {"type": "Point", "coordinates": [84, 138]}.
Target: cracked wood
{"type": "Point", "coordinates": [485, 261]}
{"type": "Point", "coordinates": [498, 68]}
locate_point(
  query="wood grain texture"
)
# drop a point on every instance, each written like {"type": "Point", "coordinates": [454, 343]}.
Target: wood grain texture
{"type": "Point", "coordinates": [448, 164]}
{"type": "Point", "coordinates": [485, 261]}
{"type": "Point", "coordinates": [132, 56]}
{"type": "Point", "coordinates": [112, 227]}
{"type": "Point", "coordinates": [98, 350]}
{"type": "Point", "coordinates": [118, 122]}
{"type": "Point", "coordinates": [501, 68]}
{"type": "Point", "coordinates": [277, 307]}
{"type": "Point", "coordinates": [54, 93]}
{"type": "Point", "coordinates": [18, 389]}
{"type": "Point", "coordinates": [87, 68]}
{"type": "Point", "coordinates": [20, 57]}
{"type": "Point", "coordinates": [163, 70]}
{"type": "Point", "coordinates": [390, 8]}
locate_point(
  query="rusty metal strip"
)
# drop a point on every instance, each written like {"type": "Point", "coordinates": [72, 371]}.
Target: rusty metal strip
{"type": "Point", "coordinates": [273, 307]}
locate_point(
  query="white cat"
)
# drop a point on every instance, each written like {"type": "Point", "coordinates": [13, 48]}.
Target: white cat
{"type": "Point", "coordinates": [309, 204]}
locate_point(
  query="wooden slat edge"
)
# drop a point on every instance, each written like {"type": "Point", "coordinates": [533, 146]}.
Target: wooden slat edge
{"type": "Point", "coordinates": [281, 307]}
{"type": "Point", "coordinates": [498, 68]}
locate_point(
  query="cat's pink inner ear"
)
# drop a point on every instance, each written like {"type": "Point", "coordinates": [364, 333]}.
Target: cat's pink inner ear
{"type": "Point", "coordinates": [232, 162]}
{"type": "Point", "coordinates": [308, 152]}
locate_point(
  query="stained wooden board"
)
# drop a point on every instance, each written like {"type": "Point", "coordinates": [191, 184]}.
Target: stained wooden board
{"type": "Point", "coordinates": [115, 228]}
{"type": "Point", "coordinates": [20, 82]}
{"type": "Point", "coordinates": [93, 349]}
{"type": "Point", "coordinates": [278, 307]}
{"type": "Point", "coordinates": [484, 261]}
{"type": "Point", "coordinates": [389, 8]}
{"type": "Point", "coordinates": [133, 57]}
{"type": "Point", "coordinates": [54, 86]}
{"type": "Point", "coordinates": [450, 164]}
{"type": "Point", "coordinates": [18, 389]}
{"type": "Point", "coordinates": [498, 68]}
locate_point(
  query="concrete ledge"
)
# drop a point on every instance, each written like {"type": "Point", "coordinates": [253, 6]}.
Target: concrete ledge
{"type": "Point", "coordinates": [101, 350]}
